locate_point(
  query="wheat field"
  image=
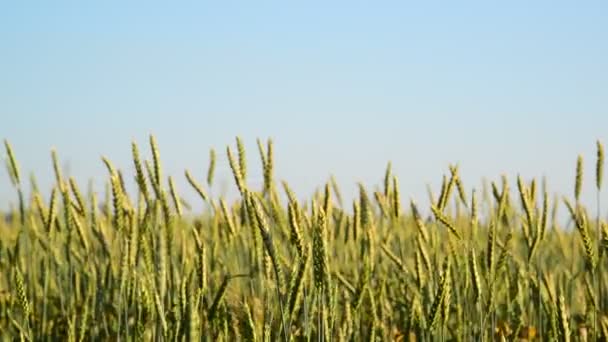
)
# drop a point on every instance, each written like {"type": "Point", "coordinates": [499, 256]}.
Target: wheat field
{"type": "Point", "coordinates": [491, 264]}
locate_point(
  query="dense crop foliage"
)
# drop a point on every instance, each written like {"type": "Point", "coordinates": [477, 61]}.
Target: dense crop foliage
{"type": "Point", "coordinates": [495, 263]}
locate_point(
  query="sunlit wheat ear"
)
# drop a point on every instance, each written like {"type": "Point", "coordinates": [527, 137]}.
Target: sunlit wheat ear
{"type": "Point", "coordinates": [446, 222]}
{"type": "Point", "coordinates": [544, 215]}
{"type": "Point", "coordinates": [124, 264]}
{"type": "Point", "coordinates": [117, 202]}
{"type": "Point", "coordinates": [211, 169]}
{"type": "Point", "coordinates": [57, 168]}
{"type": "Point", "coordinates": [532, 192]}
{"type": "Point", "coordinates": [52, 213]}
{"type": "Point", "coordinates": [291, 196]}
{"type": "Point", "coordinates": [40, 208]}
{"type": "Point", "coordinates": [562, 312]}
{"type": "Point", "coordinates": [319, 251]}
{"type": "Point", "coordinates": [382, 204]}
{"type": "Point", "coordinates": [166, 210]}
{"type": "Point", "coordinates": [474, 214]}
{"type": "Point", "coordinates": [423, 252]}
{"type": "Point", "coordinates": [78, 196]}
{"type": "Point", "coordinates": [396, 204]}
{"type": "Point", "coordinates": [175, 197]}
{"type": "Point", "coordinates": [387, 180]}
{"type": "Point", "coordinates": [261, 151]}
{"type": "Point", "coordinates": [227, 216]}
{"type": "Point", "coordinates": [419, 270]}
{"type": "Point", "coordinates": [365, 208]}
{"type": "Point", "coordinates": [236, 171]}
{"type": "Point", "coordinates": [242, 157]}
{"type": "Point", "coordinates": [145, 297]}
{"type": "Point", "coordinates": [155, 185]}
{"type": "Point", "coordinates": [162, 260]}
{"type": "Point", "coordinates": [583, 227]}
{"type": "Point", "coordinates": [549, 286]}
{"type": "Point", "coordinates": [196, 186]}
{"type": "Point", "coordinates": [447, 193]}
{"type": "Point", "coordinates": [590, 292]}
{"type": "Point", "coordinates": [447, 299]}
{"type": "Point", "coordinates": [156, 160]}
{"type": "Point", "coordinates": [327, 205]}
{"type": "Point", "coordinates": [13, 167]}
{"type": "Point", "coordinates": [394, 258]}
{"type": "Point", "coordinates": [419, 222]}
{"type": "Point", "coordinates": [160, 312]}
{"type": "Point", "coordinates": [356, 220]}
{"type": "Point", "coordinates": [476, 279]}
{"type": "Point", "coordinates": [201, 263]}
{"type": "Point", "coordinates": [79, 230]}
{"type": "Point", "coordinates": [578, 184]}
{"type": "Point", "coordinates": [505, 183]}
{"type": "Point", "coordinates": [22, 294]}
{"type": "Point", "coordinates": [193, 298]}
{"type": "Point", "coordinates": [459, 186]}
{"type": "Point", "coordinates": [604, 242]}
{"type": "Point", "coordinates": [580, 219]}
{"type": "Point", "coordinates": [269, 169]}
{"type": "Point", "coordinates": [262, 224]}
{"type": "Point", "coordinates": [296, 284]}
{"type": "Point", "coordinates": [67, 218]}
{"type": "Point", "coordinates": [444, 184]}
{"type": "Point", "coordinates": [140, 178]}
{"type": "Point", "coordinates": [336, 189]}
{"type": "Point", "coordinates": [525, 202]}
{"type": "Point", "coordinates": [248, 324]}
{"type": "Point", "coordinates": [495, 192]}
{"type": "Point", "coordinates": [294, 225]}
{"type": "Point", "coordinates": [219, 296]}
{"type": "Point", "coordinates": [599, 166]}
{"type": "Point", "coordinates": [109, 166]}
{"type": "Point", "coordinates": [491, 251]}
{"type": "Point", "coordinates": [123, 187]}
{"type": "Point", "coordinates": [347, 284]}
{"type": "Point", "coordinates": [440, 296]}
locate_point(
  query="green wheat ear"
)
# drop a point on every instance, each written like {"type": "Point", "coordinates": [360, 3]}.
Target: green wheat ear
{"type": "Point", "coordinates": [440, 296]}
{"type": "Point", "coordinates": [446, 222]}
{"type": "Point", "coordinates": [387, 179]}
{"type": "Point", "coordinates": [461, 191]}
{"type": "Point", "coordinates": [562, 313]}
{"type": "Point", "coordinates": [294, 225]}
{"type": "Point", "coordinates": [396, 198]}
{"type": "Point", "coordinates": [13, 167]}
{"type": "Point", "coordinates": [242, 157]}
{"type": "Point", "coordinates": [319, 251]}
{"type": "Point", "coordinates": [579, 178]}
{"type": "Point", "coordinates": [476, 279]}
{"type": "Point", "coordinates": [57, 168]}
{"type": "Point", "coordinates": [139, 173]}
{"type": "Point", "coordinates": [78, 195]}
{"type": "Point", "coordinates": [236, 171]}
{"type": "Point", "coordinates": [327, 204]}
{"type": "Point", "coordinates": [599, 169]}
{"type": "Point", "coordinates": [604, 242]}
{"type": "Point", "coordinates": [269, 167]}
{"type": "Point", "coordinates": [21, 294]}
{"type": "Point", "coordinates": [336, 189]}
{"type": "Point", "coordinates": [211, 170]}
{"type": "Point", "coordinates": [156, 160]}
{"type": "Point", "coordinates": [175, 197]}
{"type": "Point", "coordinates": [196, 186]}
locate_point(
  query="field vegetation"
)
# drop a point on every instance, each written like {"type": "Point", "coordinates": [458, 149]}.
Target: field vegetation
{"type": "Point", "coordinates": [487, 264]}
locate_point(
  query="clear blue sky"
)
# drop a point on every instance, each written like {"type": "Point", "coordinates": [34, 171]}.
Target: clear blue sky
{"type": "Point", "coordinates": [342, 87]}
